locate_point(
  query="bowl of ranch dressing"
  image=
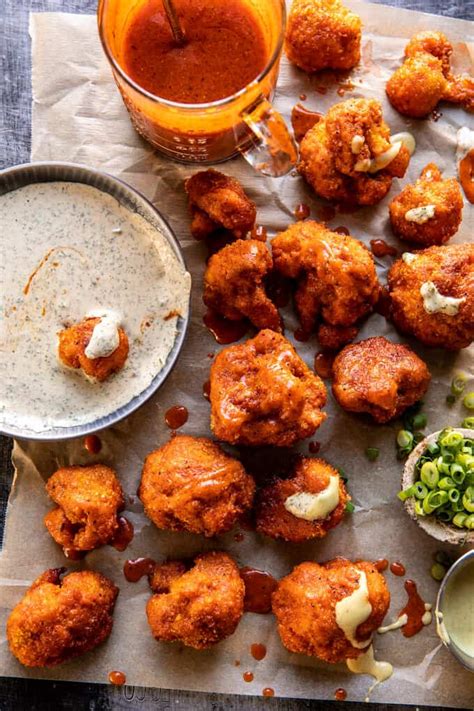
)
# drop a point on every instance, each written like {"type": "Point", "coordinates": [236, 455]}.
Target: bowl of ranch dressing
{"type": "Point", "coordinates": [79, 243]}
{"type": "Point", "coordinates": [455, 610]}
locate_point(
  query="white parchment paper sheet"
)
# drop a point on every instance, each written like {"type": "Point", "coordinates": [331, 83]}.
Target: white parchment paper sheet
{"type": "Point", "coordinates": [78, 116]}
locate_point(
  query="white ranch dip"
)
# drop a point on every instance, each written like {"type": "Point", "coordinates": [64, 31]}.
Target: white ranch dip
{"type": "Point", "coordinates": [69, 251]}
{"type": "Point", "coordinates": [311, 507]}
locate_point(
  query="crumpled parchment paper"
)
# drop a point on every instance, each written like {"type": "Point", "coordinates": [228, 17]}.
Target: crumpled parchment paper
{"type": "Point", "coordinates": [78, 116]}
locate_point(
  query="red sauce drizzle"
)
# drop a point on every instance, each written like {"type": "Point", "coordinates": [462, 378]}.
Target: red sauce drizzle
{"type": "Point", "coordinates": [176, 417]}
{"type": "Point", "coordinates": [314, 447]}
{"type": "Point", "coordinates": [93, 444]}
{"type": "Point", "coordinates": [117, 678]}
{"type": "Point", "coordinates": [302, 211]}
{"type": "Point", "coordinates": [321, 89]}
{"type": "Point", "coordinates": [326, 213]}
{"type": "Point", "coordinates": [301, 335]}
{"type": "Point", "coordinates": [206, 389]}
{"type": "Point", "coordinates": [466, 175]}
{"type": "Point", "coordinates": [303, 97]}
{"type": "Point", "coordinates": [224, 330]}
{"type": "Point", "coordinates": [383, 304]}
{"type": "Point", "coordinates": [302, 119]}
{"type": "Point", "coordinates": [74, 554]}
{"type": "Point", "coordinates": [259, 232]}
{"type": "Point", "coordinates": [134, 570]}
{"type": "Point", "coordinates": [397, 569]}
{"type": "Point", "coordinates": [323, 363]}
{"type": "Point", "coordinates": [259, 586]}
{"type": "Point", "coordinates": [247, 676]}
{"type": "Point", "coordinates": [123, 535]}
{"type": "Point", "coordinates": [258, 651]}
{"type": "Point", "coordinates": [341, 229]}
{"type": "Point", "coordinates": [268, 692]}
{"type": "Point", "coordinates": [380, 248]}
{"type": "Point", "coordinates": [347, 208]}
{"type": "Point", "coordinates": [381, 564]}
{"type": "Point", "coordinates": [340, 694]}
{"type": "Point", "coordinates": [414, 610]}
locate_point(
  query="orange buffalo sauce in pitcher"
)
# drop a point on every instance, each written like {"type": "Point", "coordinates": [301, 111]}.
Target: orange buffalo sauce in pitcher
{"type": "Point", "coordinates": [224, 51]}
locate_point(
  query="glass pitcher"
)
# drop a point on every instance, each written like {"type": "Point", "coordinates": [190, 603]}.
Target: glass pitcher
{"type": "Point", "coordinates": [245, 122]}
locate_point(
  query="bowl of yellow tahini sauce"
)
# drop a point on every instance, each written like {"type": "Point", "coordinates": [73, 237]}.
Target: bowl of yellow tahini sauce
{"type": "Point", "coordinates": [455, 610]}
{"type": "Point", "coordinates": [76, 242]}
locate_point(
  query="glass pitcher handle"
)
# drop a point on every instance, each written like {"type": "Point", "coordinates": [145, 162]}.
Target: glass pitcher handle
{"type": "Point", "coordinates": [273, 150]}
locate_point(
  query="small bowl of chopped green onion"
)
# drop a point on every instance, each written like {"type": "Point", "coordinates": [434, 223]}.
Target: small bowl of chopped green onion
{"type": "Point", "coordinates": [438, 485]}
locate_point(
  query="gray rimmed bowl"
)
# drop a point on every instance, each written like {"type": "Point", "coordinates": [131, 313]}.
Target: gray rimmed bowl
{"type": "Point", "coordinates": [444, 532]}
{"type": "Point", "coordinates": [465, 659]}
{"type": "Point", "coordinates": [44, 172]}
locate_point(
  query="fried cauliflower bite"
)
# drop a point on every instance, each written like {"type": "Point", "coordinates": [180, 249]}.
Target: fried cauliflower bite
{"type": "Point", "coordinates": [58, 620]}
{"type": "Point", "coordinates": [336, 274]}
{"type": "Point", "coordinates": [191, 484]}
{"type": "Point", "coordinates": [262, 393]}
{"type": "Point", "coordinates": [425, 78]}
{"type": "Point", "coordinates": [218, 201]}
{"type": "Point", "coordinates": [431, 295]}
{"type": "Point", "coordinates": [428, 212]}
{"type": "Point", "coordinates": [322, 34]}
{"type": "Point", "coordinates": [416, 88]}
{"type": "Point", "coordinates": [198, 607]}
{"type": "Point", "coordinates": [73, 342]}
{"type": "Point", "coordinates": [88, 499]}
{"type": "Point", "coordinates": [305, 506]}
{"type": "Point", "coordinates": [379, 377]}
{"type": "Point", "coordinates": [305, 607]}
{"type": "Point", "coordinates": [234, 286]}
{"type": "Point", "coordinates": [348, 156]}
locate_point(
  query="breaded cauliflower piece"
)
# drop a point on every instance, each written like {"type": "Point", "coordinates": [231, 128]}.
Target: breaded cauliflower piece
{"type": "Point", "coordinates": [379, 377]}
{"type": "Point", "coordinates": [428, 212]}
{"type": "Point", "coordinates": [432, 295]}
{"type": "Point", "coordinates": [305, 607]}
{"type": "Point", "coordinates": [322, 34]}
{"type": "Point", "coordinates": [234, 284]}
{"type": "Point", "coordinates": [191, 484]}
{"type": "Point", "coordinates": [262, 393]}
{"type": "Point", "coordinates": [348, 156]}
{"type": "Point", "coordinates": [218, 201]}
{"type": "Point", "coordinates": [277, 501]}
{"type": "Point", "coordinates": [416, 88]}
{"type": "Point", "coordinates": [200, 606]}
{"type": "Point", "coordinates": [58, 620]}
{"type": "Point", "coordinates": [425, 78]}
{"type": "Point", "coordinates": [336, 274]}
{"type": "Point", "coordinates": [89, 499]}
{"type": "Point", "coordinates": [73, 342]}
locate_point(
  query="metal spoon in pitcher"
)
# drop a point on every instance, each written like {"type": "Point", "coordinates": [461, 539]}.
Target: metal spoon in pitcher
{"type": "Point", "coordinates": [176, 29]}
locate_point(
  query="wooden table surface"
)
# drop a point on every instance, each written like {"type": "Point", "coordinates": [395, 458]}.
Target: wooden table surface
{"type": "Point", "coordinates": [15, 112]}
